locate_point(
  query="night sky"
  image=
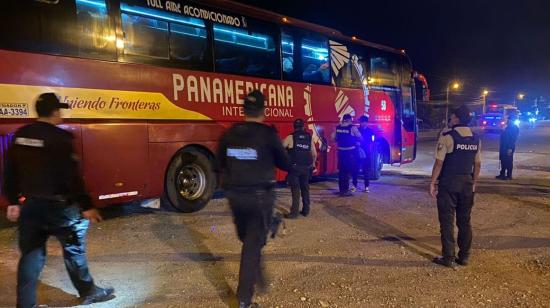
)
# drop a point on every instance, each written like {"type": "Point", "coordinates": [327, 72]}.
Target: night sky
{"type": "Point", "coordinates": [501, 45]}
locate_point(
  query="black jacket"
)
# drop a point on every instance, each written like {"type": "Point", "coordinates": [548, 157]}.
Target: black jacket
{"type": "Point", "coordinates": [248, 154]}
{"type": "Point", "coordinates": [41, 163]}
{"type": "Point", "coordinates": [508, 139]}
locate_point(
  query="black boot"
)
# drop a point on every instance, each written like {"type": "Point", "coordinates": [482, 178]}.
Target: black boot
{"type": "Point", "coordinates": [98, 295]}
{"type": "Point", "coordinates": [447, 262]}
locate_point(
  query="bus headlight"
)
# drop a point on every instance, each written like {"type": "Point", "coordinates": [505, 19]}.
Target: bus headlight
{"type": "Point", "coordinates": [517, 122]}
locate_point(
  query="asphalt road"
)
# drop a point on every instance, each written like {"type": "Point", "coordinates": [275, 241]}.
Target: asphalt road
{"type": "Point", "coordinates": [369, 250]}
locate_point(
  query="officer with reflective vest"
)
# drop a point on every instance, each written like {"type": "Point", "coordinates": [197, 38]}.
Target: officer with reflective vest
{"type": "Point", "coordinates": [248, 153]}
{"type": "Point", "coordinates": [42, 173]}
{"type": "Point", "coordinates": [302, 158]}
{"type": "Point", "coordinates": [347, 137]}
{"type": "Point", "coordinates": [455, 172]}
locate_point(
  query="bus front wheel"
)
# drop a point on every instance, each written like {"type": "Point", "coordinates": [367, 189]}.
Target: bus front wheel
{"type": "Point", "coordinates": [190, 181]}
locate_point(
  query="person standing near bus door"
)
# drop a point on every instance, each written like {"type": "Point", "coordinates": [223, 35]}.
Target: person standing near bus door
{"type": "Point", "coordinates": [507, 148]}
{"type": "Point", "coordinates": [302, 159]}
{"type": "Point", "coordinates": [346, 137]}
{"type": "Point", "coordinates": [365, 148]}
{"type": "Point", "coordinates": [248, 153]}
{"type": "Point", "coordinates": [42, 173]}
{"type": "Point", "coordinates": [454, 175]}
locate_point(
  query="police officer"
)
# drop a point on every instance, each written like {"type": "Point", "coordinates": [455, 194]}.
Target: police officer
{"type": "Point", "coordinates": [42, 174]}
{"type": "Point", "coordinates": [507, 147]}
{"type": "Point", "coordinates": [248, 154]}
{"type": "Point", "coordinates": [455, 172]}
{"type": "Point", "coordinates": [365, 147]}
{"type": "Point", "coordinates": [302, 158]}
{"type": "Point", "coordinates": [346, 137]}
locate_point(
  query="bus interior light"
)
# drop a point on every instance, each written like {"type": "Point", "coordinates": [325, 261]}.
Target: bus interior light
{"type": "Point", "coordinates": [119, 44]}
{"type": "Point", "coordinates": [98, 3]}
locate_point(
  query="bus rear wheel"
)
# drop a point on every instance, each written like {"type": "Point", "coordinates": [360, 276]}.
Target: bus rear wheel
{"type": "Point", "coordinates": [376, 162]}
{"type": "Point", "coordinates": [190, 181]}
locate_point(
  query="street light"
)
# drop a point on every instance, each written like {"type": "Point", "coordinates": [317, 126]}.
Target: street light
{"type": "Point", "coordinates": [519, 97]}
{"type": "Point", "coordinates": [484, 94]}
{"type": "Point", "coordinates": [455, 86]}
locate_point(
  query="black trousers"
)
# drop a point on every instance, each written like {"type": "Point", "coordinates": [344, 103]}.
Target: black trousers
{"type": "Point", "coordinates": [364, 165]}
{"type": "Point", "coordinates": [506, 165]}
{"type": "Point", "coordinates": [347, 165]}
{"type": "Point", "coordinates": [252, 213]}
{"type": "Point", "coordinates": [298, 179]}
{"type": "Point", "coordinates": [39, 220]}
{"type": "Point", "coordinates": [455, 196]}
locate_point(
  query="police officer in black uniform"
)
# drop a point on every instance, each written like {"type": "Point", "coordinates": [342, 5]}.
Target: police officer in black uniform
{"type": "Point", "coordinates": [248, 154]}
{"type": "Point", "coordinates": [302, 158]}
{"type": "Point", "coordinates": [507, 147]}
{"type": "Point", "coordinates": [455, 172]}
{"type": "Point", "coordinates": [366, 148]}
{"type": "Point", "coordinates": [346, 136]}
{"type": "Point", "coordinates": [42, 173]}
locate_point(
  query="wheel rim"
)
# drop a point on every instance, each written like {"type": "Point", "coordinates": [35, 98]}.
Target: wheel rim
{"type": "Point", "coordinates": [379, 162]}
{"type": "Point", "coordinates": [191, 182]}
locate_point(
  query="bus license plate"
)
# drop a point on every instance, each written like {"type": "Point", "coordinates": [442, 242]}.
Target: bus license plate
{"type": "Point", "coordinates": [8, 110]}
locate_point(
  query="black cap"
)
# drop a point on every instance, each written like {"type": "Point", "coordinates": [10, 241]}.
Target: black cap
{"type": "Point", "coordinates": [47, 103]}
{"type": "Point", "coordinates": [463, 113]}
{"type": "Point", "coordinates": [363, 119]}
{"type": "Point", "coordinates": [299, 123]}
{"type": "Point", "coordinates": [254, 100]}
{"type": "Point", "coordinates": [346, 117]}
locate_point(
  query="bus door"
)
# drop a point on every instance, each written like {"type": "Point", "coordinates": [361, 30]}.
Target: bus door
{"type": "Point", "coordinates": [408, 113]}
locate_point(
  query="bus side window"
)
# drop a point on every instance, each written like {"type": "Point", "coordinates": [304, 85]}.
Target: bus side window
{"type": "Point", "coordinates": [145, 37]}
{"type": "Point", "coordinates": [38, 26]}
{"type": "Point", "coordinates": [189, 44]}
{"type": "Point", "coordinates": [96, 38]}
{"type": "Point", "coordinates": [245, 52]}
{"type": "Point", "coordinates": [315, 60]}
{"type": "Point", "coordinates": [384, 70]}
{"type": "Point", "coordinates": [287, 49]}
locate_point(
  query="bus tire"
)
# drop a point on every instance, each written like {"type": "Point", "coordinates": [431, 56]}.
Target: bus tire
{"type": "Point", "coordinates": [376, 162]}
{"type": "Point", "coordinates": [190, 181]}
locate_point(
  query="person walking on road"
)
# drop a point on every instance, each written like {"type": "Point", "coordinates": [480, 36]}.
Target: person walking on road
{"type": "Point", "coordinates": [346, 136]}
{"type": "Point", "coordinates": [507, 148]}
{"type": "Point", "coordinates": [302, 159]}
{"type": "Point", "coordinates": [365, 153]}
{"type": "Point", "coordinates": [42, 173]}
{"type": "Point", "coordinates": [454, 175]}
{"type": "Point", "coordinates": [248, 153]}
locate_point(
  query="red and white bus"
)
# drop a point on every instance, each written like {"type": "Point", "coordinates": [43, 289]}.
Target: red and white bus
{"type": "Point", "coordinates": [152, 85]}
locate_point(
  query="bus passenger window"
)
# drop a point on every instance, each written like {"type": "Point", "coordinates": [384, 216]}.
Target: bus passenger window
{"type": "Point", "coordinates": [315, 61]}
{"type": "Point", "coordinates": [240, 51]}
{"type": "Point", "coordinates": [189, 43]}
{"type": "Point", "coordinates": [384, 71]}
{"type": "Point", "coordinates": [287, 48]}
{"type": "Point", "coordinates": [145, 36]}
{"type": "Point", "coordinates": [96, 38]}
